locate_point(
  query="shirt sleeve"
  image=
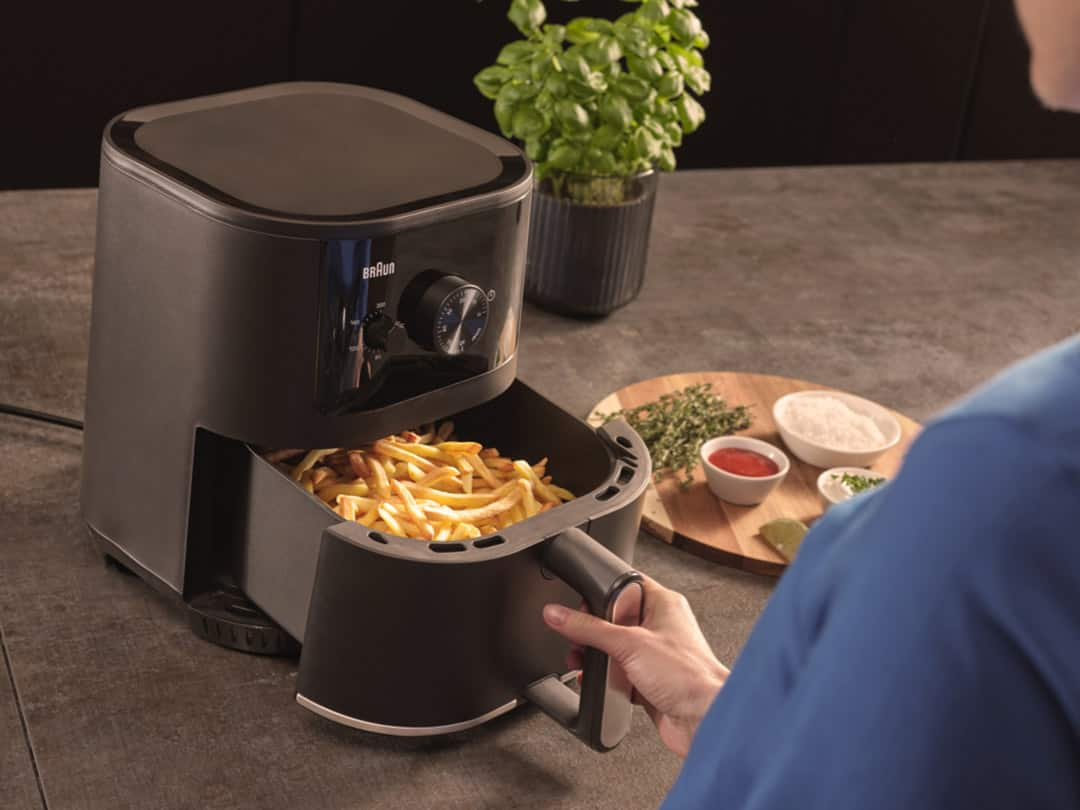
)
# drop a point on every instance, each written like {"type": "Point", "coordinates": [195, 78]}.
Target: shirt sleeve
{"type": "Point", "coordinates": [924, 654]}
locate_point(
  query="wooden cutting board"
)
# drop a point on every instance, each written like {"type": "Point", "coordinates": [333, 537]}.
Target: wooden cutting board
{"type": "Point", "coordinates": [695, 519]}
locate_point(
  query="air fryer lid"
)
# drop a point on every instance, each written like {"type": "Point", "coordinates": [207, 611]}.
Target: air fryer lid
{"type": "Point", "coordinates": [319, 150]}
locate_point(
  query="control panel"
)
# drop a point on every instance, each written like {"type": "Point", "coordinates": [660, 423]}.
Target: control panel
{"type": "Point", "coordinates": [407, 314]}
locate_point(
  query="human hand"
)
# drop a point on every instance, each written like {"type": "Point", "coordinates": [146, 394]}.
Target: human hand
{"type": "Point", "coordinates": [670, 664]}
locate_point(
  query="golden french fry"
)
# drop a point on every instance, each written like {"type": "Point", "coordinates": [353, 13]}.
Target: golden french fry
{"type": "Point", "coordinates": [444, 431]}
{"type": "Point", "coordinates": [309, 461]}
{"type": "Point", "coordinates": [396, 451]}
{"type": "Point", "coordinates": [528, 502]}
{"type": "Point", "coordinates": [321, 474]}
{"type": "Point", "coordinates": [331, 492]}
{"type": "Point", "coordinates": [466, 482]}
{"type": "Point", "coordinates": [459, 500]}
{"type": "Point", "coordinates": [461, 532]}
{"type": "Point", "coordinates": [437, 475]}
{"type": "Point", "coordinates": [444, 530]}
{"type": "Point", "coordinates": [361, 502]}
{"type": "Point", "coordinates": [358, 464]}
{"type": "Point", "coordinates": [460, 448]}
{"type": "Point", "coordinates": [564, 494]}
{"type": "Point", "coordinates": [528, 474]}
{"type": "Point", "coordinates": [423, 450]}
{"type": "Point", "coordinates": [347, 509]}
{"type": "Point", "coordinates": [481, 469]}
{"type": "Point", "coordinates": [481, 514]}
{"type": "Point", "coordinates": [412, 510]}
{"type": "Point", "coordinates": [382, 481]}
{"type": "Point", "coordinates": [390, 521]}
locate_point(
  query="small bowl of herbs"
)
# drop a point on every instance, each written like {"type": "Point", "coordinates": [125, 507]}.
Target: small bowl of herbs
{"type": "Point", "coordinates": [841, 484]}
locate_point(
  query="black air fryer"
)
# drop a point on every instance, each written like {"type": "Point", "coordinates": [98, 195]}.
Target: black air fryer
{"type": "Point", "coordinates": [320, 265]}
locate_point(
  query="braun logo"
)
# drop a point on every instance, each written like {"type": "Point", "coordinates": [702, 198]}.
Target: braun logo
{"type": "Point", "coordinates": [378, 270]}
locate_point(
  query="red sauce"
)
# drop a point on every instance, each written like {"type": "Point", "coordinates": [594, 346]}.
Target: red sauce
{"type": "Point", "coordinates": [743, 462]}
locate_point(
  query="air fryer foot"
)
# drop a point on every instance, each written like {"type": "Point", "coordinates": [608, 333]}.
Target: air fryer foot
{"type": "Point", "coordinates": [228, 618]}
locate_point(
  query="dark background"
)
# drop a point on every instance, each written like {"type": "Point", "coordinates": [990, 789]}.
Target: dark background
{"type": "Point", "coordinates": [794, 82]}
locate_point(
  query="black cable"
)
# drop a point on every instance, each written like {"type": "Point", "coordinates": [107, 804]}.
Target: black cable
{"type": "Point", "coordinates": [27, 413]}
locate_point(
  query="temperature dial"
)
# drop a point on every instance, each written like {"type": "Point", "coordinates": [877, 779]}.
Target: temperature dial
{"type": "Point", "coordinates": [445, 313]}
{"type": "Point", "coordinates": [461, 319]}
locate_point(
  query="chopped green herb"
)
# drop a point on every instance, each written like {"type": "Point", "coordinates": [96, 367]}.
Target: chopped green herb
{"type": "Point", "coordinates": [858, 483]}
{"type": "Point", "coordinates": [675, 426]}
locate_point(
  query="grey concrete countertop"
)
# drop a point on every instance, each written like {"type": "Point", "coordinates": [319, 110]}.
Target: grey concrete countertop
{"type": "Point", "coordinates": [906, 284]}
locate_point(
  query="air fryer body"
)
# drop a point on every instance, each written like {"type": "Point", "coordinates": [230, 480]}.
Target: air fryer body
{"type": "Point", "coordinates": [315, 266]}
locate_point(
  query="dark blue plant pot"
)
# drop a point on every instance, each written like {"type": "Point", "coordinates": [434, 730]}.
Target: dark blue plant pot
{"type": "Point", "coordinates": [587, 253]}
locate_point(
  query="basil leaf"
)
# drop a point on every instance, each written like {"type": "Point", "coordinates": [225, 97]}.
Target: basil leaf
{"type": "Point", "coordinates": [691, 114]}
{"type": "Point", "coordinates": [564, 156]}
{"type": "Point", "coordinates": [607, 137]}
{"type": "Point", "coordinates": [666, 160]}
{"type": "Point", "coordinates": [554, 34]}
{"type": "Point", "coordinates": [636, 40]}
{"type": "Point", "coordinates": [603, 51]}
{"type": "Point", "coordinates": [685, 58]}
{"type": "Point", "coordinates": [528, 123]}
{"type": "Point", "coordinates": [646, 145]}
{"type": "Point", "coordinates": [574, 64]}
{"type": "Point", "coordinates": [527, 15]}
{"type": "Point", "coordinates": [674, 133]}
{"type": "Point", "coordinates": [648, 68]}
{"type": "Point", "coordinates": [490, 80]}
{"type": "Point", "coordinates": [600, 161]}
{"type": "Point", "coordinates": [515, 52]}
{"type": "Point", "coordinates": [504, 116]}
{"type": "Point", "coordinates": [571, 115]}
{"type": "Point", "coordinates": [698, 80]}
{"type": "Point", "coordinates": [654, 10]}
{"type": "Point", "coordinates": [684, 24]}
{"type": "Point", "coordinates": [670, 86]}
{"type": "Point", "coordinates": [633, 88]}
{"type": "Point", "coordinates": [536, 149]}
{"type": "Point", "coordinates": [615, 111]}
{"type": "Point", "coordinates": [580, 32]}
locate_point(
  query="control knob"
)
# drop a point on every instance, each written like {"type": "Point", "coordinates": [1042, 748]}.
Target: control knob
{"type": "Point", "coordinates": [444, 313]}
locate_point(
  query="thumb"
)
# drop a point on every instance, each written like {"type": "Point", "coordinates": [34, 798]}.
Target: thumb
{"type": "Point", "coordinates": [584, 628]}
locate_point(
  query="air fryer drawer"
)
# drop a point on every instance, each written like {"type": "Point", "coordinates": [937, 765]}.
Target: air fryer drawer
{"type": "Point", "coordinates": [280, 528]}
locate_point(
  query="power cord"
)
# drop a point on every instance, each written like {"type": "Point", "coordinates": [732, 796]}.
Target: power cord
{"type": "Point", "coordinates": [40, 416]}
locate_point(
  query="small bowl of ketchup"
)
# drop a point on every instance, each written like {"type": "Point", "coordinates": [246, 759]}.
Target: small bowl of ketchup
{"type": "Point", "coordinates": [742, 470]}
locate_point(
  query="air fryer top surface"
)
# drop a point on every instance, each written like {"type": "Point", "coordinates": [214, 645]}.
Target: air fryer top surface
{"type": "Point", "coordinates": [315, 150]}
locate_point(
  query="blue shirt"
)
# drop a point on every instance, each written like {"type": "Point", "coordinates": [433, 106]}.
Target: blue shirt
{"type": "Point", "coordinates": [923, 651]}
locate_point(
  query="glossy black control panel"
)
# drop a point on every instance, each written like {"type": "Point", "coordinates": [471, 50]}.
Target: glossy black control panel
{"type": "Point", "coordinates": [407, 314]}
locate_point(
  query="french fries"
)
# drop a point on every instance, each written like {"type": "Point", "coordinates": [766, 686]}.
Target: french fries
{"type": "Point", "coordinates": [425, 485]}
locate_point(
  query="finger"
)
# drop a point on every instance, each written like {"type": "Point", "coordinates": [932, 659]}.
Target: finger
{"type": "Point", "coordinates": [585, 629]}
{"type": "Point", "coordinates": [574, 659]}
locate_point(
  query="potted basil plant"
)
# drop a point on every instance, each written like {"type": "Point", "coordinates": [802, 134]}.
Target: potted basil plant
{"type": "Point", "coordinates": [599, 106]}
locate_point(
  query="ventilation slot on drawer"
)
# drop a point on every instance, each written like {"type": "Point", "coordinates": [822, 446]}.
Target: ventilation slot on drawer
{"type": "Point", "coordinates": [488, 542]}
{"type": "Point", "coordinates": [625, 474]}
{"type": "Point", "coordinates": [445, 548]}
{"type": "Point", "coordinates": [608, 494]}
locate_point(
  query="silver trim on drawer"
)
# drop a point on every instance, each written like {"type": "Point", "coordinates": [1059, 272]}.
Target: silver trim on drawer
{"type": "Point", "coordinates": [414, 731]}
{"type": "Point", "coordinates": [402, 731]}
